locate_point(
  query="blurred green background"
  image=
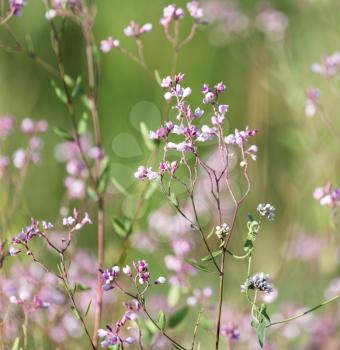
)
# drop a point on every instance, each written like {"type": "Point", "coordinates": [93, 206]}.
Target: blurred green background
{"type": "Point", "coordinates": [266, 82]}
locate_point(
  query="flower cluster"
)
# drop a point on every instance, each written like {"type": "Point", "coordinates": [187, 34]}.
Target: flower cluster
{"type": "Point", "coordinates": [31, 154]}
{"type": "Point", "coordinates": [186, 128]}
{"type": "Point", "coordinates": [146, 173]}
{"type": "Point", "coordinates": [111, 335]}
{"type": "Point", "coordinates": [258, 282]}
{"type": "Point", "coordinates": [109, 277]}
{"type": "Point", "coordinates": [328, 195]}
{"type": "Point", "coordinates": [177, 262]}
{"type": "Point", "coordinates": [76, 168]}
{"type": "Point", "coordinates": [231, 331]}
{"type": "Point", "coordinates": [271, 22]}
{"type": "Point", "coordinates": [143, 273]}
{"type": "Point", "coordinates": [311, 104]}
{"type": "Point", "coordinates": [171, 13]}
{"type": "Point", "coordinates": [222, 231]}
{"type": "Point", "coordinates": [267, 211]}
{"type": "Point", "coordinates": [35, 229]}
{"type": "Point", "coordinates": [133, 29]}
{"type": "Point", "coordinates": [106, 45]}
{"type": "Point", "coordinates": [329, 66]}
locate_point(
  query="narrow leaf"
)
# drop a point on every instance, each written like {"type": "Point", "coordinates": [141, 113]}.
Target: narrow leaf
{"type": "Point", "coordinates": [161, 320]}
{"type": "Point", "coordinates": [64, 134]}
{"type": "Point", "coordinates": [213, 255]}
{"type": "Point", "coordinates": [177, 317]}
{"type": "Point", "coordinates": [198, 266]}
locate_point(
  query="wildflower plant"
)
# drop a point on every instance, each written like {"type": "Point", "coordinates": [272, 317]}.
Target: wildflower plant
{"type": "Point", "coordinates": [193, 148]}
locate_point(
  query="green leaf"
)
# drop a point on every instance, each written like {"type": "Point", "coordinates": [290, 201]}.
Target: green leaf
{"type": "Point", "coordinates": [78, 287]}
{"type": "Point", "coordinates": [150, 191]}
{"type": "Point", "coordinates": [92, 193]}
{"type": "Point", "coordinates": [104, 175]}
{"type": "Point", "coordinates": [82, 124]}
{"type": "Point", "coordinates": [261, 332]}
{"type": "Point", "coordinates": [64, 134]}
{"type": "Point", "coordinates": [263, 310]}
{"type": "Point", "coordinates": [248, 245]}
{"type": "Point", "coordinates": [174, 200]}
{"type": "Point", "coordinates": [145, 134]}
{"type": "Point", "coordinates": [88, 103]}
{"type": "Point", "coordinates": [88, 307]}
{"type": "Point", "coordinates": [16, 344]}
{"type": "Point", "coordinates": [206, 323]}
{"type": "Point", "coordinates": [59, 92]}
{"type": "Point", "coordinates": [198, 266]}
{"type": "Point", "coordinates": [122, 228]}
{"type": "Point", "coordinates": [77, 88]}
{"type": "Point", "coordinates": [158, 77]}
{"type": "Point", "coordinates": [174, 295]}
{"type": "Point", "coordinates": [177, 317]}
{"type": "Point", "coordinates": [68, 80]}
{"type": "Point", "coordinates": [214, 255]}
{"type": "Point", "coordinates": [161, 320]}
{"type": "Point", "coordinates": [75, 312]}
{"type": "Point", "coordinates": [119, 187]}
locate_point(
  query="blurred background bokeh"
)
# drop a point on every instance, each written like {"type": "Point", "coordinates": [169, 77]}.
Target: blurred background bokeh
{"type": "Point", "coordinates": [265, 63]}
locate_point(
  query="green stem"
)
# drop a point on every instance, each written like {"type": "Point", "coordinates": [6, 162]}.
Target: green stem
{"type": "Point", "coordinates": [306, 312]}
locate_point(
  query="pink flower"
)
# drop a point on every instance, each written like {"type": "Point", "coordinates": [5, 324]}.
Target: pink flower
{"type": "Point", "coordinates": [195, 9]}
{"type": "Point", "coordinates": [108, 44]}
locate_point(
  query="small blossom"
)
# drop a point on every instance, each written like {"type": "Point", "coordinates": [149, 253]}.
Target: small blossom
{"type": "Point", "coordinates": [47, 225]}
{"type": "Point", "coordinates": [311, 104]}
{"type": "Point", "coordinates": [166, 82]}
{"type": "Point", "coordinates": [195, 9]}
{"type": "Point", "coordinates": [17, 6]}
{"type": "Point", "coordinates": [171, 13]}
{"type": "Point", "coordinates": [50, 14]}
{"type": "Point", "coordinates": [220, 87]}
{"type": "Point", "coordinates": [133, 29]}
{"type": "Point", "coordinates": [127, 270]}
{"type": "Point", "coordinates": [68, 221]}
{"type": "Point", "coordinates": [198, 112]}
{"type": "Point", "coordinates": [160, 280]}
{"type": "Point", "coordinates": [108, 44]}
{"type": "Point", "coordinates": [266, 210]}
{"type": "Point", "coordinates": [329, 66]}
{"type": "Point", "coordinates": [143, 274]}
{"type": "Point", "coordinates": [109, 277]}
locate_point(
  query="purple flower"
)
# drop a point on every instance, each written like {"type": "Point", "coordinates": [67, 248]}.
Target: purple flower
{"type": "Point", "coordinates": [220, 87]}
{"type": "Point", "coordinates": [143, 173]}
{"type": "Point", "coordinates": [328, 195]}
{"type": "Point", "coordinates": [109, 277]}
{"type": "Point", "coordinates": [231, 331]}
{"type": "Point", "coordinates": [311, 104]}
{"type": "Point", "coordinates": [143, 274]}
{"type": "Point", "coordinates": [17, 6]}
{"type": "Point", "coordinates": [329, 66]}
{"type": "Point", "coordinates": [6, 126]}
